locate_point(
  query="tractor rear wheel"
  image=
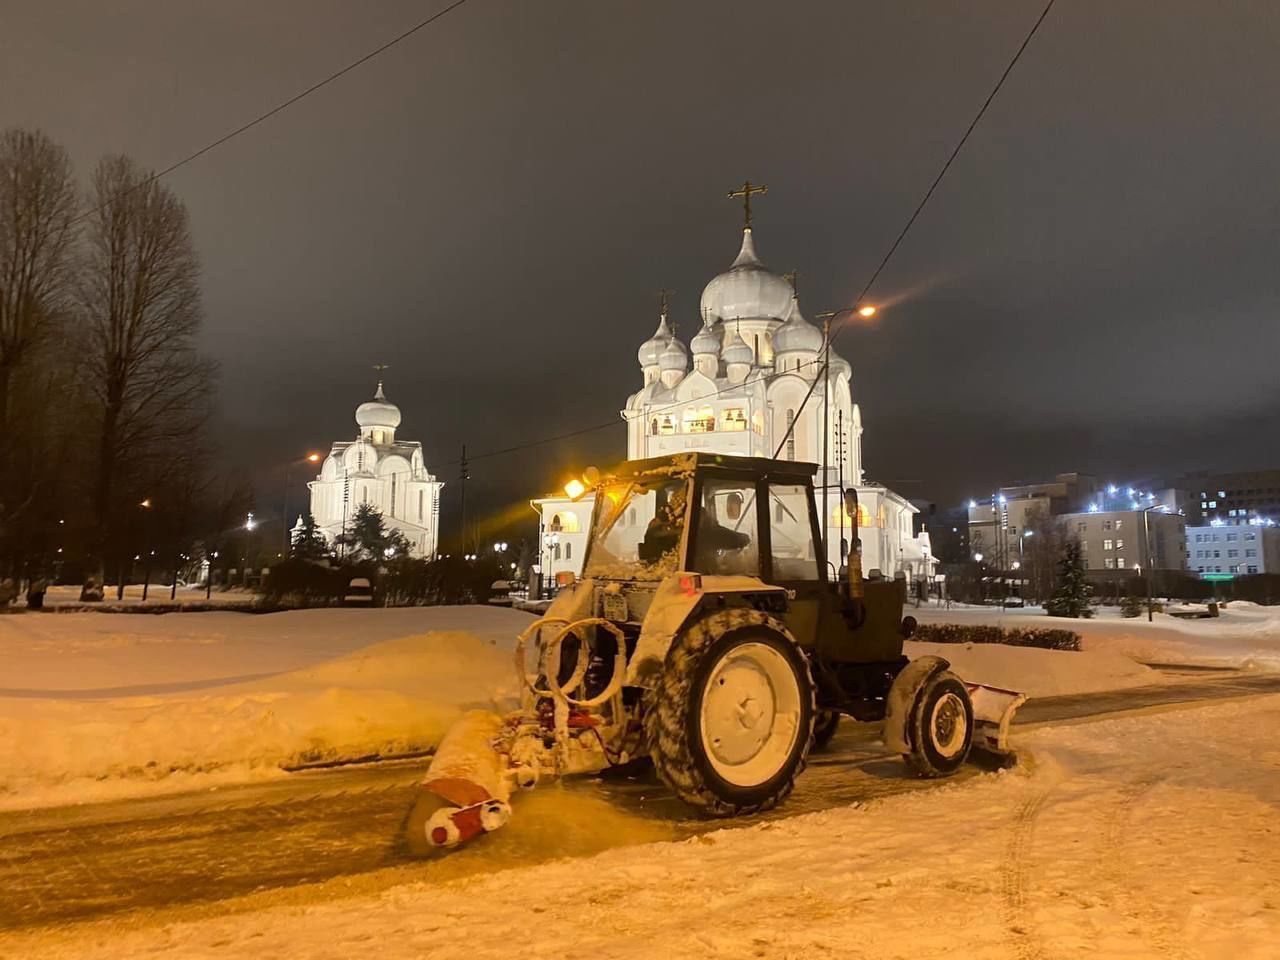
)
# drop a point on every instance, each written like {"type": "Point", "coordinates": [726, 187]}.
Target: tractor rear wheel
{"type": "Point", "coordinates": [730, 722]}
{"type": "Point", "coordinates": [824, 728]}
{"type": "Point", "coordinates": [939, 727]}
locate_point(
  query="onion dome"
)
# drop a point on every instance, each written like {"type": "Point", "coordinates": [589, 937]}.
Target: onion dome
{"type": "Point", "coordinates": [797, 334]}
{"type": "Point", "coordinates": [747, 290]}
{"type": "Point", "coordinates": [378, 412]}
{"type": "Point", "coordinates": [652, 348]}
{"type": "Point", "coordinates": [738, 350]}
{"type": "Point", "coordinates": [705, 340]}
{"type": "Point", "coordinates": [674, 356]}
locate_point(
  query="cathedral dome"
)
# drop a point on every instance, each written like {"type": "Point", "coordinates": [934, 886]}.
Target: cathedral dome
{"type": "Point", "coordinates": [674, 356]}
{"type": "Point", "coordinates": [747, 290]}
{"type": "Point", "coordinates": [705, 340]}
{"type": "Point", "coordinates": [652, 348]}
{"type": "Point", "coordinates": [797, 334]}
{"type": "Point", "coordinates": [739, 351]}
{"type": "Point", "coordinates": [378, 412]}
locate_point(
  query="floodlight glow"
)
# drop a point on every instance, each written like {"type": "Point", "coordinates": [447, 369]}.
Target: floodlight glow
{"type": "Point", "coordinates": [1113, 489]}
{"type": "Point", "coordinates": [1093, 508]}
{"type": "Point", "coordinates": [575, 488]}
{"type": "Point", "coordinates": [867, 311]}
{"type": "Point", "coordinates": [973, 504]}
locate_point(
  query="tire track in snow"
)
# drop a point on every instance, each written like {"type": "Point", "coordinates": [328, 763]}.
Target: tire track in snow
{"type": "Point", "coordinates": [1013, 878]}
{"type": "Point", "coordinates": [1155, 926]}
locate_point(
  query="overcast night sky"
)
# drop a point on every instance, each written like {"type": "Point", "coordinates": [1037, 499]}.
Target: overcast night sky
{"type": "Point", "coordinates": [490, 207]}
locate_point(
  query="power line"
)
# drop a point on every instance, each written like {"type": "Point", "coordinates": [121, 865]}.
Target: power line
{"type": "Point", "coordinates": [278, 107]}
{"type": "Point", "coordinates": [866, 287]}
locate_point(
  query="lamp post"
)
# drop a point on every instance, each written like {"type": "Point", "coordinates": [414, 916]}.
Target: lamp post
{"type": "Point", "coordinates": [284, 509]}
{"type": "Point", "coordinates": [866, 311]}
{"type": "Point", "coordinates": [1146, 542]}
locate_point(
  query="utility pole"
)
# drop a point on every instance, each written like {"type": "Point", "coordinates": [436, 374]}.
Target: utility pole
{"type": "Point", "coordinates": [826, 431]}
{"type": "Point", "coordinates": [463, 476]}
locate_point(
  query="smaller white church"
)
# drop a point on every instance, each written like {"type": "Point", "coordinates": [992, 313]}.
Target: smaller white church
{"type": "Point", "coordinates": [378, 469]}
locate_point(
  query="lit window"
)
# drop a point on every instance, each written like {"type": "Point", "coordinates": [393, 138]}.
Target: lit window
{"type": "Point", "coordinates": [1120, 563]}
{"type": "Point", "coordinates": [734, 419]}
{"type": "Point", "coordinates": [757, 422]}
{"type": "Point", "coordinates": [791, 435]}
{"type": "Point", "coordinates": [1213, 503]}
{"type": "Point", "coordinates": [666, 425]}
{"type": "Point", "coordinates": [565, 523]}
{"type": "Point", "coordinates": [1119, 524]}
{"type": "Point", "coordinates": [1119, 544]}
{"type": "Point", "coordinates": [699, 420]}
{"type": "Point", "coordinates": [1106, 544]}
{"type": "Point", "coordinates": [1109, 563]}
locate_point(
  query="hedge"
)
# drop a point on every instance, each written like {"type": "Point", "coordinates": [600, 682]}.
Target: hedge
{"type": "Point", "coordinates": [1044, 639]}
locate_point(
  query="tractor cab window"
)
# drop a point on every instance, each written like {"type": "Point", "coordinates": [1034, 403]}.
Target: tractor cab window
{"type": "Point", "coordinates": [725, 540]}
{"type": "Point", "coordinates": [637, 529]}
{"type": "Point", "coordinates": [791, 533]}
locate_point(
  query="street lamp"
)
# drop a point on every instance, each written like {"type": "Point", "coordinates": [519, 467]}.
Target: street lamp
{"type": "Point", "coordinates": [1151, 566]}
{"type": "Point", "coordinates": [865, 311]}
{"type": "Point", "coordinates": [284, 509]}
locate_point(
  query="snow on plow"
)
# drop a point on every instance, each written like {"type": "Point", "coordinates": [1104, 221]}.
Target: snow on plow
{"type": "Point", "coordinates": [993, 710]}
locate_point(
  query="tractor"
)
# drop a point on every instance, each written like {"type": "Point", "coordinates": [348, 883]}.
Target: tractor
{"type": "Point", "coordinates": [706, 635]}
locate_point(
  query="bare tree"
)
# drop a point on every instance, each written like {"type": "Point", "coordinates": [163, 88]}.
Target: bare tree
{"type": "Point", "coordinates": [37, 207]}
{"type": "Point", "coordinates": [140, 302]}
{"type": "Point", "coordinates": [37, 210]}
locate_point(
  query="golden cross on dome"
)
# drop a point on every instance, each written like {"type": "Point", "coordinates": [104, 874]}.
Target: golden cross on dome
{"type": "Point", "coordinates": [748, 188]}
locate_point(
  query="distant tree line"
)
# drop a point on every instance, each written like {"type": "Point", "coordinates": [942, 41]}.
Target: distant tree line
{"type": "Point", "coordinates": [104, 398]}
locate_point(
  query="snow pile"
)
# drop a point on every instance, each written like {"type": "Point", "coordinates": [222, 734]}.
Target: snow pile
{"type": "Point", "coordinates": [1038, 673]}
{"type": "Point", "coordinates": [76, 731]}
{"type": "Point", "coordinates": [1245, 636]}
{"type": "Point", "coordinates": [1073, 858]}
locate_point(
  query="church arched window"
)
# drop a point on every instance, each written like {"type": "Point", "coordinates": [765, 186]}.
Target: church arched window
{"type": "Point", "coordinates": [421, 498]}
{"type": "Point", "coordinates": [791, 435]}
{"type": "Point", "coordinates": [653, 426]}
{"type": "Point", "coordinates": [568, 551]}
{"type": "Point", "coordinates": [565, 523]}
{"type": "Point", "coordinates": [556, 552]}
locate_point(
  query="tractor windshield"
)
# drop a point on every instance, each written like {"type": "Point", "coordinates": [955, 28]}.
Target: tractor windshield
{"type": "Point", "coordinates": [637, 529]}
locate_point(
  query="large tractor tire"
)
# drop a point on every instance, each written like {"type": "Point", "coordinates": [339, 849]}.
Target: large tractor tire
{"type": "Point", "coordinates": [824, 728]}
{"type": "Point", "coordinates": [730, 723]}
{"type": "Point", "coordinates": [939, 727]}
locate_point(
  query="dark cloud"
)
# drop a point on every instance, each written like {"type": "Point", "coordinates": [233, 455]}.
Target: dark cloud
{"type": "Point", "coordinates": [490, 206]}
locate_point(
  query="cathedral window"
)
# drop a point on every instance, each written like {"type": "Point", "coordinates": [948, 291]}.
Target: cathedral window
{"type": "Point", "coordinates": [565, 523]}
{"type": "Point", "coordinates": [568, 551]}
{"type": "Point", "coordinates": [699, 420]}
{"type": "Point", "coordinates": [757, 422]}
{"type": "Point", "coordinates": [734, 419]}
{"type": "Point", "coordinates": [653, 426]}
{"type": "Point", "coordinates": [421, 494]}
{"type": "Point", "coordinates": [556, 552]}
{"type": "Point", "coordinates": [791, 435]}
{"type": "Point", "coordinates": [393, 494]}
{"type": "Point", "coordinates": [666, 425]}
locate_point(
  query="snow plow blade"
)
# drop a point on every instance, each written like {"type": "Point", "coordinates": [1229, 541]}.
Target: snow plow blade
{"type": "Point", "coordinates": [465, 792]}
{"type": "Point", "coordinates": [993, 710]}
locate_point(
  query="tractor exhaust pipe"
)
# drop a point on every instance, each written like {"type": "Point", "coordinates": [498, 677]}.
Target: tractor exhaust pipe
{"type": "Point", "coordinates": [855, 607]}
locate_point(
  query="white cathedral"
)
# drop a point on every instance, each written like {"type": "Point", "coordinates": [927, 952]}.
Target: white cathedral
{"type": "Point", "coordinates": [754, 360]}
{"type": "Point", "coordinates": [378, 469]}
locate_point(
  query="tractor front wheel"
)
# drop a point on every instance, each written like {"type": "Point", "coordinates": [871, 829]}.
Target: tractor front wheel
{"type": "Point", "coordinates": [730, 723]}
{"type": "Point", "coordinates": [939, 727]}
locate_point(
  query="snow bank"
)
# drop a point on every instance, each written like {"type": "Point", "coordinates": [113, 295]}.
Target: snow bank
{"type": "Point", "coordinates": [1039, 673]}
{"type": "Point", "coordinates": [1144, 837]}
{"type": "Point", "coordinates": [1245, 636]}
{"type": "Point", "coordinates": [79, 730]}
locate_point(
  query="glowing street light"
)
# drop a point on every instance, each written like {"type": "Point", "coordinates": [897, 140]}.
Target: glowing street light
{"type": "Point", "coordinates": [977, 557]}
{"type": "Point", "coordinates": [145, 504]}
{"type": "Point", "coordinates": [249, 522]}
{"type": "Point", "coordinates": [313, 457]}
{"type": "Point", "coordinates": [867, 311]}
{"type": "Point", "coordinates": [575, 488]}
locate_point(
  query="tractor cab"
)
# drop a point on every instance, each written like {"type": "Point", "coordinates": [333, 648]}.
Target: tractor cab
{"type": "Point", "coordinates": [745, 523]}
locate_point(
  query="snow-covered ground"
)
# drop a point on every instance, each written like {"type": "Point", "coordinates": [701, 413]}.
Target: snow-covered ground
{"type": "Point", "coordinates": [1245, 636]}
{"type": "Point", "coordinates": [99, 706]}
{"type": "Point", "coordinates": [95, 706]}
{"type": "Point", "coordinates": [1151, 836]}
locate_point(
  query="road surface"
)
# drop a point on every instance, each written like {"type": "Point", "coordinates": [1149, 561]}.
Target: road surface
{"type": "Point", "coordinates": [207, 852]}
